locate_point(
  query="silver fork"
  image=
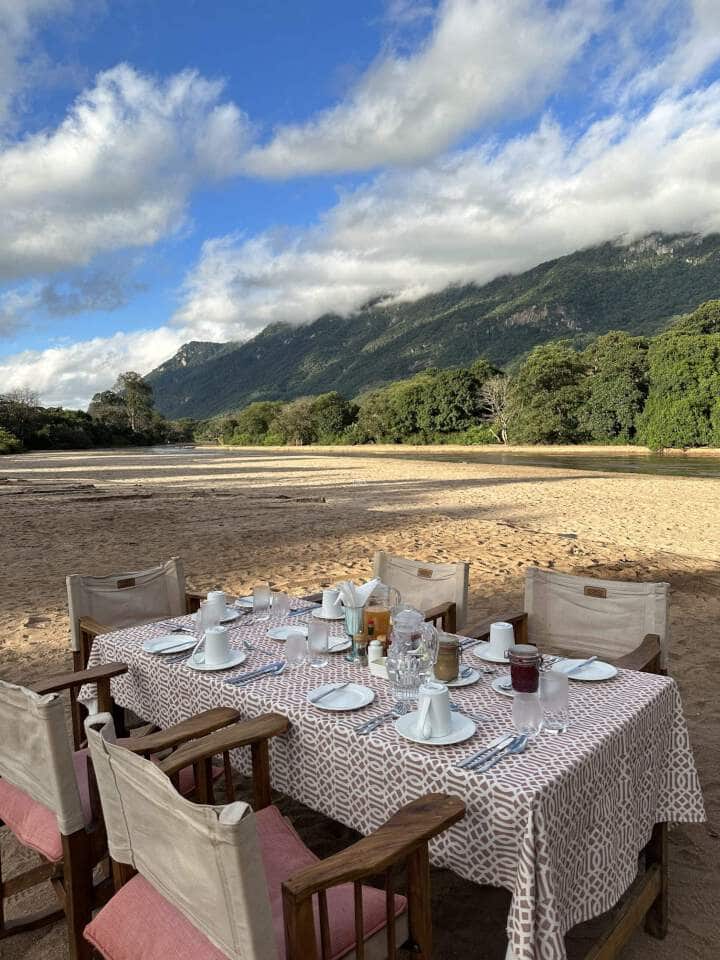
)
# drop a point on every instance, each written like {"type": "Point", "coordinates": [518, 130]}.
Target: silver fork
{"type": "Point", "coordinates": [398, 710]}
{"type": "Point", "coordinates": [476, 718]}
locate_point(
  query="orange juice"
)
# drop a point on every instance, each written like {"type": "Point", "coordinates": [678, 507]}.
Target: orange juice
{"type": "Point", "coordinates": [380, 617]}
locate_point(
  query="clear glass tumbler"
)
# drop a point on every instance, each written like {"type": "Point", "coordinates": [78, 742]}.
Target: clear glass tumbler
{"type": "Point", "coordinates": [318, 637]}
{"type": "Point", "coordinates": [296, 649]}
{"type": "Point", "coordinates": [405, 673]}
{"type": "Point", "coordinates": [554, 688]}
{"type": "Point", "coordinates": [527, 714]}
{"type": "Point", "coordinates": [280, 606]}
{"type": "Point", "coordinates": [261, 602]}
{"type": "Point", "coordinates": [205, 618]}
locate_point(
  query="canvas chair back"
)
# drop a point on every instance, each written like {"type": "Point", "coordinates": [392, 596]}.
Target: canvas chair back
{"type": "Point", "coordinates": [425, 585]}
{"type": "Point", "coordinates": [205, 860]}
{"type": "Point", "coordinates": [35, 754]}
{"type": "Point", "coordinates": [609, 618]}
{"type": "Point", "coordinates": [124, 599]}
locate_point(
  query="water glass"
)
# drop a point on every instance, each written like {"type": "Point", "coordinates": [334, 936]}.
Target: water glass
{"type": "Point", "coordinates": [406, 674]}
{"type": "Point", "coordinates": [318, 637]}
{"type": "Point", "coordinates": [205, 618]}
{"type": "Point", "coordinates": [280, 605]}
{"type": "Point", "coordinates": [554, 687]}
{"type": "Point", "coordinates": [261, 602]}
{"type": "Point", "coordinates": [353, 625]}
{"type": "Point", "coordinates": [296, 647]}
{"type": "Point", "coordinates": [527, 714]}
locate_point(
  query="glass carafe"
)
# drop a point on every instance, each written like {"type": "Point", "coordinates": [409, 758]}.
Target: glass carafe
{"type": "Point", "coordinates": [378, 609]}
{"type": "Point", "coordinates": [412, 653]}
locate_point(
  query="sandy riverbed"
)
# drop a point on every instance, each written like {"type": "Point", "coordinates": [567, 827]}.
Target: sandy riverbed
{"type": "Point", "coordinates": [302, 520]}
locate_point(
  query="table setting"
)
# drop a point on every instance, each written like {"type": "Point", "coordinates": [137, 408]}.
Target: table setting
{"type": "Point", "coordinates": [377, 720]}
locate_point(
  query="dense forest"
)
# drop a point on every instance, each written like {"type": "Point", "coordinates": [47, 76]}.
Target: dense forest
{"type": "Point", "coordinates": [119, 417]}
{"type": "Point", "coordinates": [661, 391]}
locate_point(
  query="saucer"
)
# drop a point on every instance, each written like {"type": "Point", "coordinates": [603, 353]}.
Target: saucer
{"type": "Point", "coordinates": [323, 616]}
{"type": "Point", "coordinates": [597, 670]}
{"type": "Point", "coordinates": [236, 658]}
{"type": "Point", "coordinates": [230, 615]}
{"type": "Point", "coordinates": [282, 633]}
{"type": "Point", "coordinates": [461, 728]}
{"type": "Point", "coordinates": [498, 689]}
{"type": "Point", "coordinates": [473, 677]}
{"type": "Point", "coordinates": [482, 652]}
{"type": "Point", "coordinates": [352, 697]}
{"type": "Point", "coordinates": [170, 643]}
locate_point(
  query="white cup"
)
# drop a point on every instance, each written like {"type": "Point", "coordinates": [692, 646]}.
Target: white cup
{"type": "Point", "coordinates": [331, 603]}
{"type": "Point", "coordinates": [433, 710]}
{"type": "Point", "coordinates": [217, 647]}
{"type": "Point", "coordinates": [217, 603]}
{"type": "Point", "coordinates": [502, 637]}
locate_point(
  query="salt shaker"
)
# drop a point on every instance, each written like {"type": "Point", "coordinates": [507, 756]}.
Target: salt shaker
{"type": "Point", "coordinates": [375, 651]}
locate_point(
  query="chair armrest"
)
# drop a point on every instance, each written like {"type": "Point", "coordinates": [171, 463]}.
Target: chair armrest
{"type": "Point", "coordinates": [482, 631]}
{"type": "Point", "coordinates": [92, 627]}
{"type": "Point", "coordinates": [187, 730]}
{"type": "Point", "coordinates": [406, 831]}
{"type": "Point", "coordinates": [313, 597]}
{"type": "Point", "coordinates": [446, 613]}
{"type": "Point", "coordinates": [240, 734]}
{"type": "Point", "coordinates": [68, 681]}
{"type": "Point", "coordinates": [645, 657]}
{"type": "Point", "coordinates": [193, 599]}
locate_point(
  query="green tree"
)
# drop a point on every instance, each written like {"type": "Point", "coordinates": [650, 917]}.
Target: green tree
{"type": "Point", "coordinates": [110, 408]}
{"type": "Point", "coordinates": [294, 423]}
{"type": "Point", "coordinates": [20, 414]}
{"type": "Point", "coordinates": [616, 387]}
{"type": "Point", "coordinates": [138, 397]}
{"type": "Point", "coordinates": [706, 319]}
{"type": "Point", "coordinates": [684, 391]}
{"type": "Point", "coordinates": [546, 396]}
{"type": "Point", "coordinates": [253, 422]}
{"type": "Point", "coordinates": [331, 414]}
{"type": "Point", "coordinates": [8, 442]}
{"type": "Point", "coordinates": [451, 402]}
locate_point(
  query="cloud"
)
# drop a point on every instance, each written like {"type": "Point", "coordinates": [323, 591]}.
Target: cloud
{"type": "Point", "coordinates": [472, 215]}
{"type": "Point", "coordinates": [116, 173]}
{"type": "Point", "coordinates": [19, 20]}
{"type": "Point", "coordinates": [482, 57]}
{"type": "Point", "coordinates": [69, 375]}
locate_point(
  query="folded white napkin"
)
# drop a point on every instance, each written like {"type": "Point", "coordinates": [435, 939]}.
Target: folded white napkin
{"type": "Point", "coordinates": [354, 596]}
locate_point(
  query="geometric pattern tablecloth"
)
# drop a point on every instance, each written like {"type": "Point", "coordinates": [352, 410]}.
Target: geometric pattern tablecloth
{"type": "Point", "coordinates": [560, 826]}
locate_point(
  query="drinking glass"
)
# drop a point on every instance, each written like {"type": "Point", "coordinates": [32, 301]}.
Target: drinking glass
{"type": "Point", "coordinates": [554, 688]}
{"type": "Point", "coordinates": [296, 647]}
{"type": "Point", "coordinates": [205, 618]}
{"type": "Point", "coordinates": [318, 636]}
{"type": "Point", "coordinates": [280, 605]}
{"type": "Point", "coordinates": [353, 625]}
{"type": "Point", "coordinates": [405, 674]}
{"type": "Point", "coordinates": [261, 602]}
{"type": "Point", "coordinates": [527, 714]}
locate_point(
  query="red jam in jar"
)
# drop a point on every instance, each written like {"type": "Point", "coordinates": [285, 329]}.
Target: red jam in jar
{"type": "Point", "coordinates": [525, 663]}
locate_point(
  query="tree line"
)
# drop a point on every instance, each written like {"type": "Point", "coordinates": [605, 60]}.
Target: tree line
{"type": "Point", "coordinates": [122, 416]}
{"type": "Point", "coordinates": [662, 391]}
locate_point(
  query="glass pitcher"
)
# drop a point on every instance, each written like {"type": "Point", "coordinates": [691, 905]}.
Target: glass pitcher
{"type": "Point", "coordinates": [412, 653]}
{"type": "Point", "coordinates": [378, 609]}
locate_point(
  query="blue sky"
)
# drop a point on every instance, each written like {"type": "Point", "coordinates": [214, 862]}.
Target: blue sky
{"type": "Point", "coordinates": [195, 170]}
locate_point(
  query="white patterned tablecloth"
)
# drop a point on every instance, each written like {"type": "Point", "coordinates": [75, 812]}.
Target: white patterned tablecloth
{"type": "Point", "coordinates": [560, 826]}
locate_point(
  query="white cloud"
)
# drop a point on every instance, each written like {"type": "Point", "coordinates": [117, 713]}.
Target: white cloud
{"type": "Point", "coordinates": [116, 173]}
{"type": "Point", "coordinates": [69, 375]}
{"type": "Point", "coordinates": [19, 20]}
{"type": "Point", "coordinates": [482, 56]}
{"type": "Point", "coordinates": [472, 215]}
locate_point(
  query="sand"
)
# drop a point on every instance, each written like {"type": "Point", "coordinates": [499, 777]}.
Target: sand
{"type": "Point", "coordinates": [302, 519]}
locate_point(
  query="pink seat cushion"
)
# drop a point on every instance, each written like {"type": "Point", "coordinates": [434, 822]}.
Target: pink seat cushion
{"type": "Point", "coordinates": [139, 922]}
{"type": "Point", "coordinates": [36, 826]}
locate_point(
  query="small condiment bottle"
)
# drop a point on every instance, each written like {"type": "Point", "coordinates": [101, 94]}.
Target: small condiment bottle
{"type": "Point", "coordinates": [375, 651]}
{"type": "Point", "coordinates": [525, 660]}
{"type": "Point", "coordinates": [361, 649]}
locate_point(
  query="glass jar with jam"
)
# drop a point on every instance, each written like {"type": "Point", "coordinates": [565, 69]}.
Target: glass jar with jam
{"type": "Point", "coordinates": [525, 661]}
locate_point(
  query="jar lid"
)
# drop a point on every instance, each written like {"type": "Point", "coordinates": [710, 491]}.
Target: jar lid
{"type": "Point", "coordinates": [524, 651]}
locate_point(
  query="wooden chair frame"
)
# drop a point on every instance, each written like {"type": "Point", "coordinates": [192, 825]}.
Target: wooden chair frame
{"type": "Point", "coordinates": [446, 613]}
{"type": "Point", "coordinates": [72, 877]}
{"type": "Point", "coordinates": [647, 899]}
{"type": "Point", "coordinates": [403, 839]}
{"type": "Point", "coordinates": [89, 629]}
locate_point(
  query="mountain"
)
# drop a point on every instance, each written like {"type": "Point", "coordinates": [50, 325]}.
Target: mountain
{"type": "Point", "coordinates": [638, 287]}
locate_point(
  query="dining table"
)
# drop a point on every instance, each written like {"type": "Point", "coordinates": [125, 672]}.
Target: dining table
{"type": "Point", "coordinates": [560, 825]}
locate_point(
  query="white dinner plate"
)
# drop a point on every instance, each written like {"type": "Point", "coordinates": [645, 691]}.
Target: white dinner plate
{"type": "Point", "coordinates": [236, 658]}
{"type": "Point", "coordinates": [597, 670]}
{"type": "Point", "coordinates": [496, 685]}
{"type": "Point", "coordinates": [339, 645]}
{"type": "Point", "coordinates": [461, 728]}
{"type": "Point", "coordinates": [352, 697]}
{"type": "Point", "coordinates": [230, 615]}
{"type": "Point", "coordinates": [170, 643]}
{"type": "Point", "coordinates": [472, 677]}
{"type": "Point", "coordinates": [282, 633]}
{"type": "Point", "coordinates": [321, 616]}
{"type": "Point", "coordinates": [482, 652]}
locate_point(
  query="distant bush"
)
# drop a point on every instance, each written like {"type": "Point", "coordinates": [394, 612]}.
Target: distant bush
{"type": "Point", "coordinates": [8, 442]}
